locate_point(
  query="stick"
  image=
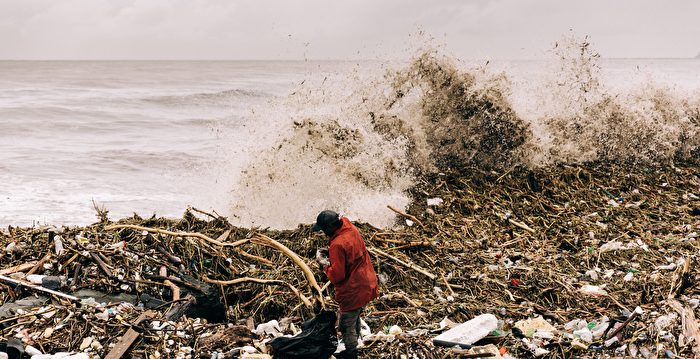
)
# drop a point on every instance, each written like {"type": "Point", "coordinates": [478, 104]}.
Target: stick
{"type": "Point", "coordinates": [22, 316]}
{"type": "Point", "coordinates": [617, 302]}
{"type": "Point", "coordinates": [40, 263]}
{"type": "Point", "coordinates": [76, 274]}
{"type": "Point", "coordinates": [521, 225]}
{"type": "Point", "coordinates": [416, 268]}
{"type": "Point", "coordinates": [263, 261]}
{"type": "Point", "coordinates": [301, 296]}
{"type": "Point", "coordinates": [267, 241]}
{"type": "Point", "coordinates": [18, 268]}
{"type": "Point", "coordinates": [411, 244]}
{"type": "Point", "coordinates": [632, 316]}
{"type": "Point", "coordinates": [176, 234]}
{"type": "Point", "coordinates": [70, 260]}
{"type": "Point", "coordinates": [39, 288]}
{"type": "Point", "coordinates": [101, 264]}
{"type": "Point", "coordinates": [105, 259]}
{"type": "Point", "coordinates": [404, 297]}
{"type": "Point", "coordinates": [129, 337]}
{"type": "Point", "coordinates": [449, 287]}
{"type": "Point", "coordinates": [224, 236]}
{"type": "Point", "coordinates": [174, 288]}
{"type": "Point", "coordinates": [203, 212]}
{"type": "Point", "coordinates": [171, 257]}
{"type": "Point", "coordinates": [679, 275]}
{"type": "Point", "coordinates": [180, 308]}
{"type": "Point", "coordinates": [413, 218]}
{"type": "Point", "coordinates": [176, 280]}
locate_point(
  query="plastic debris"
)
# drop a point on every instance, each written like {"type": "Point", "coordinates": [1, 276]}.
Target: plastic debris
{"type": "Point", "coordinates": [665, 321]}
{"type": "Point", "coordinates": [486, 349]}
{"type": "Point", "coordinates": [434, 201]}
{"type": "Point", "coordinates": [536, 327]}
{"type": "Point", "coordinates": [593, 290]}
{"type": "Point", "coordinates": [469, 332]}
{"type": "Point", "coordinates": [270, 328]}
{"type": "Point", "coordinates": [395, 330]}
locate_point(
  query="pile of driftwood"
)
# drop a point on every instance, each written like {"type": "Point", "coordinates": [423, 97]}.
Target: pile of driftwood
{"type": "Point", "coordinates": [570, 244]}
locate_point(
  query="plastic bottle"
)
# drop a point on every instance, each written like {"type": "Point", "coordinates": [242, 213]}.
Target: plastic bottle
{"type": "Point", "coordinates": [58, 245]}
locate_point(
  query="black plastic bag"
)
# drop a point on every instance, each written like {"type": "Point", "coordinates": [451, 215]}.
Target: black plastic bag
{"type": "Point", "coordinates": [317, 339]}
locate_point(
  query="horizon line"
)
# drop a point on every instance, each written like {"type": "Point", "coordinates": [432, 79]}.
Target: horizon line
{"type": "Point", "coordinates": [325, 60]}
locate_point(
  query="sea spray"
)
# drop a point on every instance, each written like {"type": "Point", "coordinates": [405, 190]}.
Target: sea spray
{"type": "Point", "coordinates": [356, 144]}
{"type": "Point", "coordinates": [465, 119]}
{"type": "Point", "coordinates": [359, 148]}
{"type": "Point", "coordinates": [323, 153]}
{"type": "Point", "coordinates": [589, 122]}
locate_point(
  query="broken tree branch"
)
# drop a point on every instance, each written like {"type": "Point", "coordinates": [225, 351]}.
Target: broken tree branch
{"type": "Point", "coordinates": [632, 316]}
{"type": "Point", "coordinates": [267, 241]}
{"type": "Point", "coordinates": [406, 215]}
{"type": "Point", "coordinates": [689, 324]}
{"type": "Point", "coordinates": [416, 268]}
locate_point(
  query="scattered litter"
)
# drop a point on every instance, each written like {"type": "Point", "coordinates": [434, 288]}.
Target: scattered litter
{"type": "Point", "coordinates": [580, 264]}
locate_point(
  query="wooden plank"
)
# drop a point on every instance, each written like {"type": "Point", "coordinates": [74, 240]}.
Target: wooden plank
{"type": "Point", "coordinates": [129, 337]}
{"type": "Point", "coordinates": [18, 268]}
{"type": "Point", "coordinates": [39, 264]}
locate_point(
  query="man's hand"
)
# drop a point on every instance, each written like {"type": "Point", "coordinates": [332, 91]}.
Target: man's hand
{"type": "Point", "coordinates": [322, 258]}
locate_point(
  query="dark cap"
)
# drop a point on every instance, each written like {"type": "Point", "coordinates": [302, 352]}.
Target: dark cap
{"type": "Point", "coordinates": [325, 219]}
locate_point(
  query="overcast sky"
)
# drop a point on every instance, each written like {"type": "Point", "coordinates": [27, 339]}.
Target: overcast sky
{"type": "Point", "coordinates": [329, 29]}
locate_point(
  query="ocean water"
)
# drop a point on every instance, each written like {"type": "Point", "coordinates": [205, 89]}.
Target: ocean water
{"type": "Point", "coordinates": [264, 143]}
{"type": "Point", "coordinates": [136, 137]}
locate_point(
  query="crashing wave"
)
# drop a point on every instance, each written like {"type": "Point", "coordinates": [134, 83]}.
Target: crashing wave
{"type": "Point", "coordinates": [361, 149]}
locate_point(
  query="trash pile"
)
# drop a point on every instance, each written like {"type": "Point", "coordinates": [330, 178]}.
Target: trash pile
{"type": "Point", "coordinates": [569, 261]}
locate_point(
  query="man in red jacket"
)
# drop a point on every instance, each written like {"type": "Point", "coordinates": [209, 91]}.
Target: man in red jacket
{"type": "Point", "coordinates": [350, 270]}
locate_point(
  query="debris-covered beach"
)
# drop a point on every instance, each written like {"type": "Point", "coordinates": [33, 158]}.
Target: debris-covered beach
{"type": "Point", "coordinates": [575, 261]}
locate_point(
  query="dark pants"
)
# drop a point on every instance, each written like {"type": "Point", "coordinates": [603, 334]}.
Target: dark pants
{"type": "Point", "coordinates": [349, 326]}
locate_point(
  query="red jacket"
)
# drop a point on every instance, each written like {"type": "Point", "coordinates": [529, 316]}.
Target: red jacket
{"type": "Point", "coordinates": [351, 270]}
